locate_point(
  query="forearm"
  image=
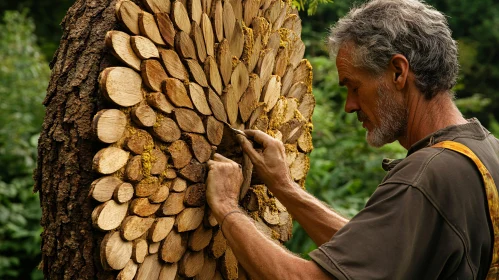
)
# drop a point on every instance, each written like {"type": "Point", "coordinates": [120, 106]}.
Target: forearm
{"type": "Point", "coordinates": [319, 221]}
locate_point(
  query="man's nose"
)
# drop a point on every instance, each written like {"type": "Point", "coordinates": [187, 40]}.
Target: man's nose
{"type": "Point", "coordinates": [351, 105]}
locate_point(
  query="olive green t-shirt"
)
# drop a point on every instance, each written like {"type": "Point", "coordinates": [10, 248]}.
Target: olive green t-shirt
{"type": "Point", "coordinates": [428, 219]}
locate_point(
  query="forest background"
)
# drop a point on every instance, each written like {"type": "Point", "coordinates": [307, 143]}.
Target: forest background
{"type": "Point", "coordinates": [344, 170]}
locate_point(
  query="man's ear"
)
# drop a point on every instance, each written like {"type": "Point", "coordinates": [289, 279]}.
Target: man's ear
{"type": "Point", "coordinates": [399, 71]}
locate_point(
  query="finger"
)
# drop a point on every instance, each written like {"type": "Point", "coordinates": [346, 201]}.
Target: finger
{"type": "Point", "coordinates": [259, 137]}
{"type": "Point", "coordinates": [218, 157]}
{"type": "Point", "coordinates": [249, 150]}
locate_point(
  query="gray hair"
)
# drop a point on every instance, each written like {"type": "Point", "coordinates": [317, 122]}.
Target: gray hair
{"type": "Point", "coordinates": [379, 29]}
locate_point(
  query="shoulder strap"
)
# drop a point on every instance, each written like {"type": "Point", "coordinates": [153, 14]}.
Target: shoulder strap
{"type": "Point", "coordinates": [492, 200]}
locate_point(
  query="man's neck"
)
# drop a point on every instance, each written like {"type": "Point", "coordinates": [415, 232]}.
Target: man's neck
{"type": "Point", "coordinates": [429, 116]}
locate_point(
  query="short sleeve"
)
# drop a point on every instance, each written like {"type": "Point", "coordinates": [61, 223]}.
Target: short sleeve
{"type": "Point", "coordinates": [398, 235]}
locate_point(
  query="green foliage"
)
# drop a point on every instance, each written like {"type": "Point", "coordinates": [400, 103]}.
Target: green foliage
{"type": "Point", "coordinates": [24, 76]}
{"type": "Point", "coordinates": [311, 5]}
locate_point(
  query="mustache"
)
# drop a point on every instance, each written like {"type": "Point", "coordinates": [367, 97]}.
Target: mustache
{"type": "Point", "coordinates": [361, 116]}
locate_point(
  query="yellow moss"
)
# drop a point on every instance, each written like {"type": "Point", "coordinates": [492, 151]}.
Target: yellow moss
{"type": "Point", "coordinates": [284, 33]}
{"type": "Point", "coordinates": [290, 147]}
{"type": "Point", "coordinates": [248, 43]}
{"type": "Point", "coordinates": [310, 76]}
{"type": "Point", "coordinates": [159, 118]}
{"type": "Point", "coordinates": [253, 215]}
{"type": "Point", "coordinates": [275, 235]}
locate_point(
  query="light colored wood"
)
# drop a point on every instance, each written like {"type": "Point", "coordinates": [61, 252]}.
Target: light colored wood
{"type": "Point", "coordinates": [207, 5]}
{"type": "Point", "coordinates": [229, 265]}
{"type": "Point", "coordinates": [143, 47]}
{"type": "Point", "coordinates": [271, 217]}
{"type": "Point", "coordinates": [229, 20]}
{"type": "Point", "coordinates": [170, 173]}
{"type": "Point", "coordinates": [291, 109]}
{"type": "Point", "coordinates": [224, 61]}
{"type": "Point", "coordinates": [108, 215]}
{"type": "Point", "coordinates": [255, 54]}
{"type": "Point", "coordinates": [261, 28]}
{"type": "Point", "coordinates": [102, 189]}
{"type": "Point", "coordinates": [303, 73]}
{"type": "Point", "coordinates": [271, 92]}
{"type": "Point", "coordinates": [161, 228]}
{"type": "Point", "coordinates": [209, 219]}
{"type": "Point", "coordinates": [195, 10]}
{"type": "Point", "coordinates": [305, 141]}
{"type": "Point", "coordinates": [179, 185]}
{"type": "Point", "coordinates": [180, 17]}
{"type": "Point", "coordinates": [133, 227]}
{"type": "Point", "coordinates": [214, 130]}
{"type": "Point", "coordinates": [259, 110]}
{"type": "Point", "coordinates": [143, 115]}
{"type": "Point", "coordinates": [189, 121]}
{"type": "Point", "coordinates": [250, 10]}
{"type": "Point", "coordinates": [195, 195]}
{"type": "Point", "coordinates": [217, 17]}
{"type": "Point", "coordinates": [161, 193]}
{"type": "Point", "coordinates": [138, 141]}
{"type": "Point", "coordinates": [300, 167]}
{"type": "Point", "coordinates": [150, 268]}
{"type": "Point", "coordinates": [166, 28]}
{"type": "Point", "coordinates": [158, 162]}
{"type": "Point", "coordinates": [251, 96]}
{"type": "Point", "coordinates": [174, 204]}
{"type": "Point", "coordinates": [274, 42]}
{"type": "Point", "coordinates": [173, 65]}
{"type": "Point", "coordinates": [237, 40]}
{"type": "Point", "coordinates": [140, 250]}
{"type": "Point", "coordinates": [218, 244]}
{"type": "Point", "coordinates": [180, 153]}
{"type": "Point", "coordinates": [129, 16]}
{"type": "Point", "coordinates": [291, 154]}
{"type": "Point", "coordinates": [237, 7]}
{"type": "Point", "coordinates": [280, 19]}
{"type": "Point", "coordinates": [247, 167]}
{"type": "Point", "coordinates": [197, 72]}
{"type": "Point", "coordinates": [121, 85]}
{"type": "Point", "coordinates": [115, 252]}
{"type": "Point", "coordinates": [153, 74]}
{"type": "Point", "coordinates": [119, 43]}
{"type": "Point", "coordinates": [157, 6]}
{"type": "Point", "coordinates": [109, 160]}
{"type": "Point", "coordinates": [265, 65]}
{"type": "Point", "coordinates": [239, 80]}
{"type": "Point", "coordinates": [207, 30]}
{"type": "Point", "coordinates": [123, 193]}
{"type": "Point", "coordinates": [199, 99]}
{"type": "Point", "coordinates": [177, 93]}
{"type": "Point", "coordinates": [158, 101]}
{"type": "Point", "coordinates": [200, 146]}
{"type": "Point", "coordinates": [133, 170]}
{"type": "Point", "coordinates": [307, 105]}
{"type": "Point", "coordinates": [174, 247]}
{"type": "Point", "coordinates": [194, 172]}
{"type": "Point", "coordinates": [147, 187]}
{"type": "Point", "coordinates": [292, 130]}
{"type": "Point", "coordinates": [213, 75]}
{"type": "Point", "coordinates": [191, 263]}
{"type": "Point", "coordinates": [142, 207]}
{"type": "Point", "coordinates": [208, 270]}
{"type": "Point", "coordinates": [128, 272]}
{"type": "Point", "coordinates": [149, 28]}
{"type": "Point", "coordinates": [200, 238]}
{"type": "Point", "coordinates": [168, 271]}
{"type": "Point", "coordinates": [287, 80]}
{"type": "Point", "coordinates": [230, 100]}
{"type": "Point", "coordinates": [281, 62]}
{"type": "Point", "coordinates": [273, 11]}
{"type": "Point", "coordinates": [298, 90]}
{"type": "Point", "coordinates": [297, 54]}
{"type": "Point", "coordinates": [109, 125]}
{"type": "Point", "coordinates": [276, 117]}
{"type": "Point", "coordinates": [166, 129]}
{"type": "Point", "coordinates": [184, 45]}
{"type": "Point", "coordinates": [154, 247]}
{"type": "Point", "coordinates": [197, 37]}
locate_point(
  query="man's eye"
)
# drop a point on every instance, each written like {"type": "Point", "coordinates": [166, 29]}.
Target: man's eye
{"type": "Point", "coordinates": [355, 90]}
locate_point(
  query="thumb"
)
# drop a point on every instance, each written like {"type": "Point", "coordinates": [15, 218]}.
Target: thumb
{"type": "Point", "coordinates": [248, 149]}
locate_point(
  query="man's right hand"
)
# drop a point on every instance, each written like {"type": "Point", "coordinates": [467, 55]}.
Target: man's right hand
{"type": "Point", "coordinates": [270, 165]}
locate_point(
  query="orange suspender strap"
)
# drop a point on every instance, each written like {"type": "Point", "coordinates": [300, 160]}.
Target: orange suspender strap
{"type": "Point", "coordinates": [492, 199]}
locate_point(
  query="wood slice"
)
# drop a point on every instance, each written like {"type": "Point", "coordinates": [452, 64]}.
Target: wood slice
{"type": "Point", "coordinates": [140, 250]}
{"type": "Point", "coordinates": [207, 30]}
{"type": "Point", "coordinates": [281, 62]}
{"type": "Point", "coordinates": [229, 20]}
{"type": "Point", "coordinates": [287, 80]}
{"type": "Point", "coordinates": [115, 252]}
{"type": "Point", "coordinates": [129, 14]}
{"type": "Point", "coordinates": [195, 10]}
{"type": "Point", "coordinates": [300, 167]}
{"type": "Point", "coordinates": [239, 80]}
{"type": "Point", "coordinates": [277, 113]}
{"type": "Point", "coordinates": [237, 7]}
{"type": "Point", "coordinates": [154, 247]}
{"type": "Point", "coordinates": [209, 219]}
{"type": "Point", "coordinates": [271, 92]}
{"type": "Point", "coordinates": [297, 54]}
{"type": "Point", "coordinates": [170, 173]}
{"type": "Point", "coordinates": [214, 130]}
{"type": "Point", "coordinates": [273, 11]}
{"type": "Point", "coordinates": [248, 42]}
{"type": "Point", "coordinates": [150, 268]}
{"type": "Point", "coordinates": [176, 92]}
{"type": "Point", "coordinates": [303, 73]}
{"type": "Point", "coordinates": [133, 227]}
{"type": "Point", "coordinates": [280, 19]}
{"type": "Point", "coordinates": [180, 17]}
{"type": "Point", "coordinates": [149, 28]}
{"type": "Point", "coordinates": [166, 28]}
{"type": "Point", "coordinates": [133, 170]}
{"type": "Point", "coordinates": [128, 272]}
{"type": "Point", "coordinates": [181, 154]}
{"type": "Point", "coordinates": [305, 141]}
{"type": "Point", "coordinates": [173, 205]}
{"type": "Point", "coordinates": [291, 109]}
{"type": "Point", "coordinates": [237, 40]}
{"type": "Point", "coordinates": [147, 187]}
{"type": "Point", "coordinates": [168, 271]}
{"type": "Point", "coordinates": [199, 42]}
{"type": "Point", "coordinates": [274, 42]}
{"type": "Point", "coordinates": [158, 101]}
{"type": "Point", "coordinates": [153, 74]}
{"type": "Point", "coordinates": [166, 130]}
{"type": "Point", "coordinates": [157, 6]}
{"type": "Point", "coordinates": [197, 72]}
{"type": "Point", "coordinates": [191, 263]}
{"type": "Point", "coordinates": [179, 185]}
{"type": "Point", "coordinates": [195, 195]}
{"type": "Point", "coordinates": [103, 188]}
{"type": "Point", "coordinates": [194, 172]}
{"type": "Point", "coordinates": [247, 174]}
{"type": "Point", "coordinates": [139, 141]}
{"type": "Point", "coordinates": [259, 110]}
{"type": "Point", "coordinates": [229, 265]}
{"type": "Point", "coordinates": [158, 162]}
{"type": "Point", "coordinates": [173, 247]}
{"type": "Point", "coordinates": [250, 97]}
{"type": "Point", "coordinates": [109, 125]}
{"type": "Point", "coordinates": [307, 105]}
{"type": "Point", "coordinates": [189, 121]}
{"type": "Point", "coordinates": [212, 74]}
{"type": "Point", "coordinates": [173, 65]}
{"type": "Point", "coordinates": [200, 238]}
{"type": "Point", "coordinates": [161, 228]}
{"type": "Point", "coordinates": [121, 86]}
{"type": "Point", "coordinates": [143, 47]}
{"type": "Point", "coordinates": [109, 215]}
{"type": "Point", "coordinates": [200, 146]}
{"type": "Point", "coordinates": [119, 43]}
{"type": "Point", "coordinates": [224, 61]}
{"type": "Point", "coordinates": [261, 28]}
{"type": "Point", "coordinates": [142, 207]}
{"type": "Point", "coordinates": [109, 160]}
{"type": "Point", "coordinates": [254, 56]}
{"type": "Point", "coordinates": [218, 244]}
{"type": "Point", "coordinates": [143, 115]}
{"type": "Point", "coordinates": [206, 4]}
{"type": "Point", "coordinates": [298, 90]}
{"type": "Point", "coordinates": [292, 130]}
{"type": "Point", "coordinates": [161, 194]}
{"type": "Point", "coordinates": [184, 45]}
{"type": "Point", "coordinates": [271, 217]}
{"type": "Point", "coordinates": [265, 65]}
{"type": "Point", "coordinates": [230, 100]}
{"type": "Point", "coordinates": [217, 18]}
{"type": "Point", "coordinates": [208, 270]}
{"type": "Point", "coordinates": [123, 193]}
{"type": "Point", "coordinates": [199, 99]}
{"type": "Point", "coordinates": [251, 8]}
{"type": "Point", "coordinates": [291, 153]}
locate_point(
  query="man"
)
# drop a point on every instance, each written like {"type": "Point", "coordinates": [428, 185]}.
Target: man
{"type": "Point", "coordinates": [429, 218]}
